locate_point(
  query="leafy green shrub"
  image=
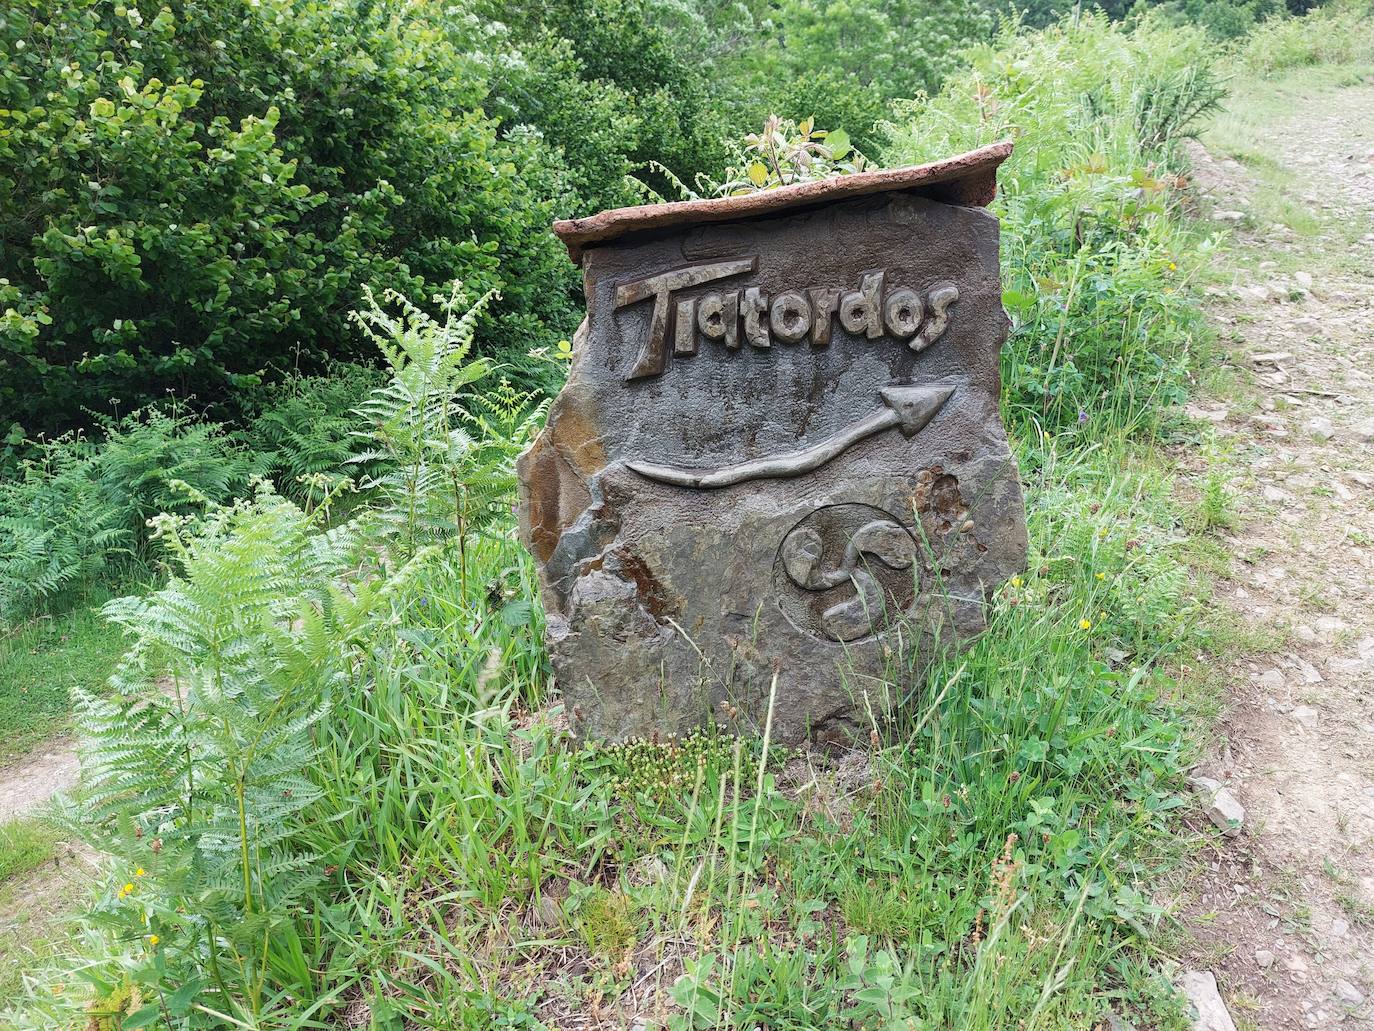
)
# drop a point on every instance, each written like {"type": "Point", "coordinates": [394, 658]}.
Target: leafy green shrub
{"type": "Point", "coordinates": [1221, 19]}
{"type": "Point", "coordinates": [78, 505]}
{"type": "Point", "coordinates": [841, 61]}
{"type": "Point", "coordinates": [1342, 33]}
{"type": "Point", "coordinates": [190, 191]}
{"type": "Point", "coordinates": [294, 650]}
{"type": "Point", "coordinates": [1096, 253]}
{"type": "Point", "coordinates": [305, 432]}
{"type": "Point", "coordinates": [611, 85]}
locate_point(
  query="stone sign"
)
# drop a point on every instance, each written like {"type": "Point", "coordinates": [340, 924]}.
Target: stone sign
{"type": "Point", "coordinates": [778, 453]}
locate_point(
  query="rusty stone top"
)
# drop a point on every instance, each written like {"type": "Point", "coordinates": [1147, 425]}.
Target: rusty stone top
{"type": "Point", "coordinates": [969, 180]}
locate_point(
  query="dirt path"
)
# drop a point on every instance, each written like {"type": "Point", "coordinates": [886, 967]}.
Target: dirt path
{"type": "Point", "coordinates": [30, 782]}
{"type": "Point", "coordinates": [1284, 914]}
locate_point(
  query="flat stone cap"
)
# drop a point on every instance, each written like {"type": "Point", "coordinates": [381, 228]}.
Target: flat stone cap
{"type": "Point", "coordinates": [969, 180]}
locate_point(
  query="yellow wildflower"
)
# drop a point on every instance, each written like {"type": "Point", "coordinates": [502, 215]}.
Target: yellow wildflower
{"type": "Point", "coordinates": [140, 872]}
{"type": "Point", "coordinates": [1016, 581]}
{"type": "Point", "coordinates": [153, 940]}
{"type": "Point", "coordinates": [1102, 576]}
{"type": "Point", "coordinates": [1086, 624]}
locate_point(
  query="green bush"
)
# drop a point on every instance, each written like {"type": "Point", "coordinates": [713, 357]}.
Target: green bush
{"type": "Point", "coordinates": [612, 85]}
{"type": "Point", "coordinates": [1223, 19]}
{"type": "Point", "coordinates": [191, 194]}
{"type": "Point", "coordinates": [842, 61]}
{"type": "Point", "coordinates": [1340, 34]}
{"type": "Point", "coordinates": [229, 807]}
{"type": "Point", "coordinates": [305, 432]}
{"type": "Point", "coordinates": [1096, 254]}
{"type": "Point", "coordinates": [78, 506]}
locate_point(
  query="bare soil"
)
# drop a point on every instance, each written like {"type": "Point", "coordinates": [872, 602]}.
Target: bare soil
{"type": "Point", "coordinates": [27, 784]}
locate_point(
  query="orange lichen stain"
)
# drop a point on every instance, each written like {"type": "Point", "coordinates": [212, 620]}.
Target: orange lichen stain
{"type": "Point", "coordinates": [577, 439]}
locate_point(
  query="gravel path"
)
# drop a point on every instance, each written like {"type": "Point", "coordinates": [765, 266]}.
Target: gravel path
{"type": "Point", "coordinates": [1284, 914]}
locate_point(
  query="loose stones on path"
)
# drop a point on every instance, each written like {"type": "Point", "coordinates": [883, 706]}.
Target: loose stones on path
{"type": "Point", "coordinates": [1221, 806]}
{"type": "Point", "coordinates": [1209, 1012]}
{"type": "Point", "coordinates": [778, 454]}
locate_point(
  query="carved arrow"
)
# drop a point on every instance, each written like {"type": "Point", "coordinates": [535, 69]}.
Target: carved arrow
{"type": "Point", "coordinates": [908, 408]}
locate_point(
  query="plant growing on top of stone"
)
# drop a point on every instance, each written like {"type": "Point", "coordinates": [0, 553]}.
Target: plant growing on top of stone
{"type": "Point", "coordinates": [786, 152]}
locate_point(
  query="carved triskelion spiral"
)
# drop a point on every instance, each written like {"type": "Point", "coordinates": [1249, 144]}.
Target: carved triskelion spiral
{"type": "Point", "coordinates": [803, 557]}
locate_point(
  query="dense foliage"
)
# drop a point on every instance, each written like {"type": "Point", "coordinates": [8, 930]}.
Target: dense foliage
{"type": "Point", "coordinates": [1096, 254]}
{"type": "Point", "coordinates": [194, 194]}
{"type": "Point", "coordinates": [80, 505]}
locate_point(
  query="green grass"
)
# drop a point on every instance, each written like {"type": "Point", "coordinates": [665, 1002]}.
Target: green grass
{"type": "Point", "coordinates": [37, 897]}
{"type": "Point", "coordinates": [983, 862]}
{"type": "Point", "coordinates": [438, 851]}
{"type": "Point", "coordinates": [25, 844]}
{"type": "Point", "coordinates": [40, 662]}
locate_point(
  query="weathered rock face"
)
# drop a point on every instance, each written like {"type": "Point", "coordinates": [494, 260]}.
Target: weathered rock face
{"type": "Point", "coordinates": [779, 449]}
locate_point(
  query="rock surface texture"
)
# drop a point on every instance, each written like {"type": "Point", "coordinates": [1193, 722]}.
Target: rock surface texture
{"type": "Point", "coordinates": [778, 453]}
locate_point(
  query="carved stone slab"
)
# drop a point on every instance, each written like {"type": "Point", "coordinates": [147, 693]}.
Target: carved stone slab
{"type": "Point", "coordinates": [779, 448]}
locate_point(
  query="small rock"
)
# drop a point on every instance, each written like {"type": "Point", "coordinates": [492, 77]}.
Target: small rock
{"type": "Point", "coordinates": [1295, 965]}
{"type": "Point", "coordinates": [1275, 494]}
{"type": "Point", "coordinates": [1330, 625]}
{"type": "Point", "coordinates": [1216, 415]}
{"type": "Point", "coordinates": [1339, 928]}
{"type": "Point", "coordinates": [1223, 808]}
{"type": "Point", "coordinates": [1229, 216]}
{"type": "Point", "coordinates": [1321, 427]}
{"type": "Point", "coordinates": [1364, 431]}
{"type": "Point", "coordinates": [1307, 716]}
{"type": "Point", "coordinates": [651, 870]}
{"type": "Point", "coordinates": [1303, 632]}
{"type": "Point", "coordinates": [1306, 669]}
{"type": "Point", "coordinates": [1272, 680]}
{"type": "Point", "coordinates": [1209, 1012]}
{"type": "Point", "coordinates": [1118, 1023]}
{"type": "Point", "coordinates": [1349, 994]}
{"type": "Point", "coordinates": [548, 913]}
{"type": "Point", "coordinates": [1353, 667]}
{"type": "Point", "coordinates": [1264, 959]}
{"type": "Point", "coordinates": [1303, 279]}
